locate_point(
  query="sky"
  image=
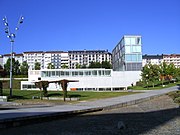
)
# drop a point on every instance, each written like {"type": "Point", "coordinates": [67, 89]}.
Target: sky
{"type": "Point", "coordinates": [63, 25]}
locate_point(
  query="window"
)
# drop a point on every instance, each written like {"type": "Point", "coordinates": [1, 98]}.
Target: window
{"type": "Point", "coordinates": [81, 73]}
{"type": "Point", "coordinates": [94, 72]}
{"type": "Point", "coordinates": [127, 41]}
{"type": "Point", "coordinates": [108, 72]}
{"type": "Point", "coordinates": [136, 48]}
{"type": "Point", "coordinates": [53, 73]}
{"type": "Point", "coordinates": [138, 40]}
{"type": "Point", "coordinates": [134, 57]}
{"type": "Point", "coordinates": [128, 57]}
{"type": "Point", "coordinates": [133, 41]}
{"type": "Point", "coordinates": [87, 73]}
{"type": "Point", "coordinates": [128, 49]}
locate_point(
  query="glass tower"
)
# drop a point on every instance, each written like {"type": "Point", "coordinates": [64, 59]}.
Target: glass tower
{"type": "Point", "coordinates": [127, 55]}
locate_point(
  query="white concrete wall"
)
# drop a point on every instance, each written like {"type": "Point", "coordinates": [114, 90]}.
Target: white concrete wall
{"type": "Point", "coordinates": [118, 79]}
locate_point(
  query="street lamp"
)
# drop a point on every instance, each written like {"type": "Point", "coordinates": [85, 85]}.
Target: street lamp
{"type": "Point", "coordinates": [12, 37]}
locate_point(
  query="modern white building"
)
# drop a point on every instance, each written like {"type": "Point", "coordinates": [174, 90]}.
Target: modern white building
{"type": "Point", "coordinates": [89, 79]}
{"type": "Point", "coordinates": [127, 55]}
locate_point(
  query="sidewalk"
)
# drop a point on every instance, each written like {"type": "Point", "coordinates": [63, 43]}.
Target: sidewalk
{"type": "Point", "coordinates": [17, 117]}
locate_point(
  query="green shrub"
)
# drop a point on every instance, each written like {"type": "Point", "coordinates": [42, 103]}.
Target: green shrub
{"type": "Point", "coordinates": [174, 95]}
{"type": "Point", "coordinates": [177, 100]}
{"type": "Point", "coordinates": [140, 83]}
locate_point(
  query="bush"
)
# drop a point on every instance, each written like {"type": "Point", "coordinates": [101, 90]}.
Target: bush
{"type": "Point", "coordinates": [140, 83]}
{"type": "Point", "coordinates": [177, 100]}
{"type": "Point", "coordinates": [16, 84]}
{"type": "Point", "coordinates": [174, 95]}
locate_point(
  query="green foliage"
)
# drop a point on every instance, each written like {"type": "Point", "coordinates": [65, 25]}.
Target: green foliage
{"type": "Point", "coordinates": [140, 83]}
{"type": "Point", "coordinates": [78, 66]}
{"type": "Point", "coordinates": [104, 64]}
{"type": "Point", "coordinates": [177, 100]}
{"type": "Point", "coordinates": [175, 96]}
{"type": "Point", "coordinates": [24, 68]}
{"type": "Point", "coordinates": [51, 66]}
{"type": "Point", "coordinates": [37, 66]}
{"type": "Point", "coordinates": [156, 75]}
{"type": "Point", "coordinates": [95, 65]}
{"type": "Point", "coordinates": [15, 66]}
{"type": "Point", "coordinates": [64, 66]}
{"type": "Point", "coordinates": [2, 72]}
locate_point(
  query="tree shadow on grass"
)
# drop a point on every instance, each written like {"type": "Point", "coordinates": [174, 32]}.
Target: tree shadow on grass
{"type": "Point", "coordinates": [76, 96]}
{"type": "Point", "coordinates": [15, 97]}
{"type": "Point", "coordinates": [55, 95]}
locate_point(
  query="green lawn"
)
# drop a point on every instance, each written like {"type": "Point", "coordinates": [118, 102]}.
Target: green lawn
{"type": "Point", "coordinates": [155, 88]}
{"type": "Point", "coordinates": [83, 95]}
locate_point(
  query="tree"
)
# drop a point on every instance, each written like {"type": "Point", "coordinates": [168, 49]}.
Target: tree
{"type": "Point", "coordinates": [15, 66]}
{"type": "Point", "coordinates": [78, 66]}
{"type": "Point", "coordinates": [167, 72]}
{"type": "Point", "coordinates": [64, 66]}
{"type": "Point", "coordinates": [51, 66]}
{"type": "Point", "coordinates": [145, 74]}
{"type": "Point", "coordinates": [150, 73]}
{"type": "Point", "coordinates": [178, 73]}
{"type": "Point", "coordinates": [154, 73]}
{"type": "Point", "coordinates": [95, 65]}
{"type": "Point", "coordinates": [106, 65]}
{"type": "Point", "coordinates": [84, 66]}
{"type": "Point", "coordinates": [171, 71]}
{"type": "Point", "coordinates": [37, 66]}
{"type": "Point", "coordinates": [24, 68]}
{"type": "Point", "coordinates": [2, 72]}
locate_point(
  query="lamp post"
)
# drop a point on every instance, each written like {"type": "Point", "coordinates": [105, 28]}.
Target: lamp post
{"type": "Point", "coordinates": [147, 77]}
{"type": "Point", "coordinates": [12, 37]}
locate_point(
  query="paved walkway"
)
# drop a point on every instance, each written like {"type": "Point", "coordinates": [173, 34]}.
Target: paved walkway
{"type": "Point", "coordinates": [16, 117]}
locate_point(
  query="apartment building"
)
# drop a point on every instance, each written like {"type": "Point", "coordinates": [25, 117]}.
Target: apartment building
{"type": "Point", "coordinates": [34, 56]}
{"type": "Point", "coordinates": [152, 59]}
{"type": "Point", "coordinates": [127, 54]}
{"type": "Point", "coordinates": [18, 57]}
{"type": "Point", "coordinates": [57, 58]}
{"type": "Point", "coordinates": [85, 57]}
{"type": "Point", "coordinates": [172, 58]}
{"type": "Point", "coordinates": [60, 59]}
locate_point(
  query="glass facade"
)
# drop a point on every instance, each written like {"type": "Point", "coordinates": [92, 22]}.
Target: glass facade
{"type": "Point", "coordinates": [127, 55]}
{"type": "Point", "coordinates": [80, 73]}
